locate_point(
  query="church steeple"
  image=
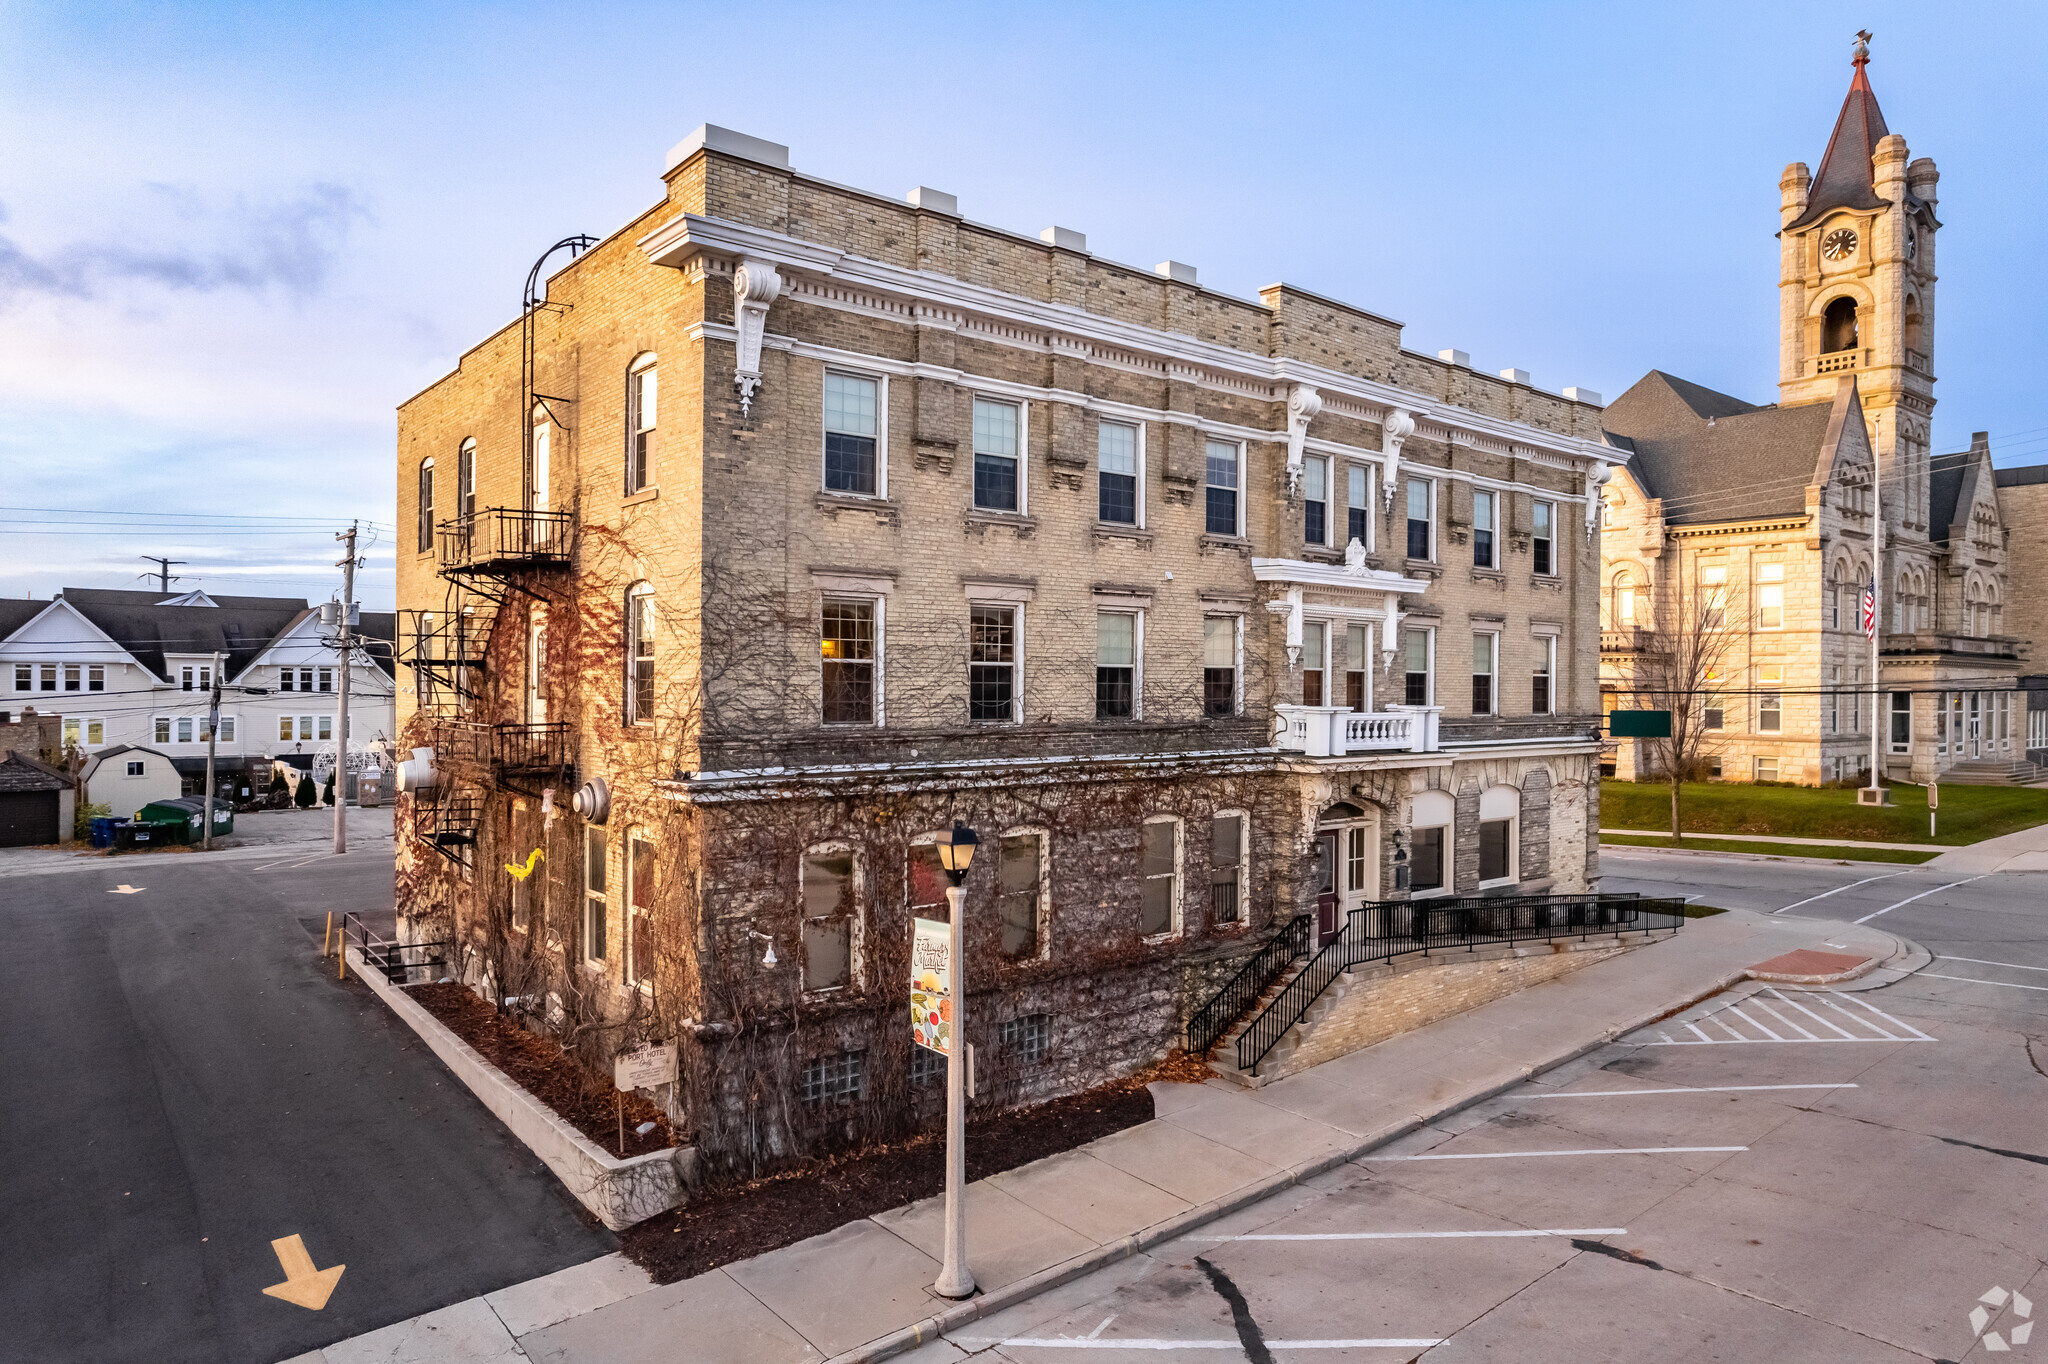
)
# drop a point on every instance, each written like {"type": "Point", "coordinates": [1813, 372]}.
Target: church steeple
{"type": "Point", "coordinates": [1845, 179]}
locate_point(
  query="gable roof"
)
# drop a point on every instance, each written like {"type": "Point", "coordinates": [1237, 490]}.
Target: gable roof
{"type": "Point", "coordinates": [16, 612]}
{"type": "Point", "coordinates": [1952, 482]}
{"type": "Point", "coordinates": [19, 772]}
{"type": "Point", "coordinates": [1712, 457]}
{"type": "Point", "coordinates": [238, 627]}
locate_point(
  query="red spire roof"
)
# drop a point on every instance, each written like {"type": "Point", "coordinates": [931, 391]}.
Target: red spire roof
{"type": "Point", "coordinates": [1844, 179]}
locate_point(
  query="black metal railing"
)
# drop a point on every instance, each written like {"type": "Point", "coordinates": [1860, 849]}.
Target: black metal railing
{"type": "Point", "coordinates": [1253, 979]}
{"type": "Point", "coordinates": [447, 821]}
{"type": "Point", "coordinates": [503, 537]}
{"type": "Point", "coordinates": [446, 651]}
{"type": "Point", "coordinates": [396, 960]}
{"type": "Point", "coordinates": [1389, 929]}
{"type": "Point", "coordinates": [517, 748]}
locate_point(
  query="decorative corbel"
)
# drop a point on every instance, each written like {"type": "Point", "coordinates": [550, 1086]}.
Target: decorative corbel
{"type": "Point", "coordinates": [754, 286]}
{"type": "Point", "coordinates": [1596, 479]}
{"type": "Point", "coordinates": [1395, 429]}
{"type": "Point", "coordinates": [1303, 403]}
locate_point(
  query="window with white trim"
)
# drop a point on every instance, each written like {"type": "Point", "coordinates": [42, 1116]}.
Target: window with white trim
{"type": "Point", "coordinates": [465, 479]}
{"type": "Point", "coordinates": [1485, 518]}
{"type": "Point", "coordinates": [1358, 505]}
{"type": "Point", "coordinates": [84, 731]}
{"type": "Point", "coordinates": [1315, 501]}
{"type": "Point", "coordinates": [1119, 483]}
{"type": "Point", "coordinates": [1116, 665]}
{"type": "Point", "coordinates": [1770, 705]}
{"type": "Point", "coordinates": [24, 677]}
{"type": "Point", "coordinates": [74, 677]}
{"type": "Point", "coordinates": [998, 456]}
{"type": "Point", "coordinates": [640, 875]}
{"type": "Point", "coordinates": [1543, 679]}
{"type": "Point", "coordinates": [1358, 667]}
{"type": "Point", "coordinates": [849, 639]}
{"type": "Point", "coordinates": [185, 729]}
{"type": "Point", "coordinates": [135, 768]}
{"type": "Point", "coordinates": [1418, 683]}
{"type": "Point", "coordinates": [46, 676]}
{"type": "Point", "coordinates": [1542, 538]}
{"type": "Point", "coordinates": [1315, 644]}
{"type": "Point", "coordinates": [992, 690]}
{"type": "Point", "coordinates": [1222, 477]}
{"type": "Point", "coordinates": [1220, 653]}
{"type": "Point", "coordinates": [1770, 596]}
{"type": "Point", "coordinates": [853, 426]}
{"type": "Point", "coordinates": [1902, 722]}
{"type": "Point", "coordinates": [639, 697]}
{"type": "Point", "coordinates": [426, 504]}
{"type": "Point", "coordinates": [326, 680]}
{"type": "Point", "coordinates": [162, 729]}
{"type": "Point", "coordinates": [1159, 871]}
{"type": "Point", "coordinates": [1229, 867]}
{"type": "Point", "coordinates": [596, 900]}
{"type": "Point", "coordinates": [642, 412]}
{"type": "Point", "coordinates": [96, 677]}
{"type": "Point", "coordinates": [1485, 663]}
{"type": "Point", "coordinates": [1766, 768]}
{"type": "Point", "coordinates": [1420, 522]}
{"type": "Point", "coordinates": [831, 913]}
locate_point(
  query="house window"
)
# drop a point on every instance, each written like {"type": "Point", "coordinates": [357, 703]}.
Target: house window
{"type": "Point", "coordinates": [639, 907]}
{"type": "Point", "coordinates": [1542, 537]}
{"type": "Point", "coordinates": [847, 643]}
{"type": "Point", "coordinates": [134, 769]}
{"type": "Point", "coordinates": [1159, 866]}
{"type": "Point", "coordinates": [992, 663]}
{"type": "Point", "coordinates": [1485, 658]}
{"type": "Point", "coordinates": [284, 678]}
{"type": "Point", "coordinates": [1227, 866]}
{"type": "Point", "coordinates": [1426, 860]}
{"type": "Point", "coordinates": [1221, 459]}
{"type": "Point", "coordinates": [837, 1079]}
{"type": "Point", "coordinates": [1542, 697]}
{"type": "Point", "coordinates": [852, 431]}
{"type": "Point", "coordinates": [996, 456]}
{"type": "Point", "coordinates": [1116, 665]}
{"type": "Point", "coordinates": [426, 527]}
{"type": "Point", "coordinates": [1357, 505]}
{"type": "Point", "coordinates": [205, 728]}
{"type": "Point", "coordinates": [1484, 515]}
{"type": "Point", "coordinates": [162, 729]}
{"type": "Point", "coordinates": [70, 739]}
{"type": "Point", "coordinates": [829, 911]}
{"type": "Point", "coordinates": [185, 679]}
{"type": "Point", "coordinates": [640, 655]}
{"type": "Point", "coordinates": [306, 726]}
{"type": "Point", "coordinates": [1418, 518]}
{"type": "Point", "coordinates": [1019, 881]}
{"type": "Point", "coordinates": [926, 882]}
{"type": "Point", "coordinates": [1027, 1039]}
{"type": "Point", "coordinates": [227, 729]}
{"type": "Point", "coordinates": [1358, 667]}
{"type": "Point", "coordinates": [96, 677]}
{"type": "Point", "coordinates": [91, 731]}
{"type": "Point", "coordinates": [284, 729]}
{"type": "Point", "coordinates": [74, 680]}
{"type": "Point", "coordinates": [595, 903]}
{"type": "Point", "coordinates": [1714, 581]}
{"type": "Point", "coordinates": [1314, 642]}
{"type": "Point", "coordinates": [326, 727]}
{"type": "Point", "coordinates": [1770, 596]}
{"type": "Point", "coordinates": [1315, 491]}
{"type": "Point", "coordinates": [1219, 666]}
{"type": "Point", "coordinates": [1355, 859]}
{"type": "Point", "coordinates": [1766, 769]}
{"type": "Point", "coordinates": [46, 675]}
{"type": "Point", "coordinates": [185, 730]}
{"type": "Point", "coordinates": [305, 679]}
{"type": "Point", "coordinates": [326, 679]}
{"type": "Point", "coordinates": [1116, 473]}
{"type": "Point", "coordinates": [1415, 651]}
{"type": "Point", "coordinates": [465, 480]}
{"type": "Point", "coordinates": [642, 391]}
{"type": "Point", "coordinates": [1770, 705]}
{"type": "Point", "coordinates": [24, 677]}
{"type": "Point", "coordinates": [1902, 722]}
{"type": "Point", "coordinates": [1834, 699]}
{"type": "Point", "coordinates": [1495, 840]}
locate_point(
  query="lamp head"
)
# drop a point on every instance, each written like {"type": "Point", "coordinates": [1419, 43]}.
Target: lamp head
{"type": "Point", "coordinates": [956, 851]}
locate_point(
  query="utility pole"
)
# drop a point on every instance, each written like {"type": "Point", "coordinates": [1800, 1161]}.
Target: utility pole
{"type": "Point", "coordinates": [212, 737]}
{"type": "Point", "coordinates": [163, 570]}
{"type": "Point", "coordinates": [347, 652]}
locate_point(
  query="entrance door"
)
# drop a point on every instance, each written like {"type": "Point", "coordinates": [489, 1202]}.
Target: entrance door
{"type": "Point", "coordinates": [1362, 873]}
{"type": "Point", "coordinates": [1329, 911]}
{"type": "Point", "coordinates": [1976, 725]}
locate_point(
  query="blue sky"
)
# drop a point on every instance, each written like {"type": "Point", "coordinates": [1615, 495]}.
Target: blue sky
{"type": "Point", "coordinates": [234, 238]}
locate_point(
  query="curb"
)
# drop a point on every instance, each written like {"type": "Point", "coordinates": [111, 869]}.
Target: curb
{"type": "Point", "coordinates": [1758, 857]}
{"type": "Point", "coordinates": [1009, 1295]}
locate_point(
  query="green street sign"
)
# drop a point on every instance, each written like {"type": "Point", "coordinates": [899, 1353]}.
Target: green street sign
{"type": "Point", "coordinates": [1639, 724]}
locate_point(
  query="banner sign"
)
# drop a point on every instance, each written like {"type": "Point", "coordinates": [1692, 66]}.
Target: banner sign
{"type": "Point", "coordinates": [645, 1067]}
{"type": "Point", "coordinates": [931, 986]}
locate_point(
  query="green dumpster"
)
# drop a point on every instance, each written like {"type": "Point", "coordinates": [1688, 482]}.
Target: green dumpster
{"type": "Point", "coordinates": [188, 812]}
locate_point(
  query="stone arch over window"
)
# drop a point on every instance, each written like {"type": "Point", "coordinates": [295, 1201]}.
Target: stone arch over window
{"type": "Point", "coordinates": [1628, 599]}
{"type": "Point", "coordinates": [1838, 325]}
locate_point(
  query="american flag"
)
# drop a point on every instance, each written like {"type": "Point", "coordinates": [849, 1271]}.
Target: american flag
{"type": "Point", "coordinates": [1870, 609]}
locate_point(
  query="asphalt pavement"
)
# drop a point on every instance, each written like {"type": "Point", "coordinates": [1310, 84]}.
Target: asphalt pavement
{"type": "Point", "coordinates": [183, 1081]}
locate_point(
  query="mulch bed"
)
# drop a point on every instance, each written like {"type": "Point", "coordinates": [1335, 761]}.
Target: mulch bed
{"type": "Point", "coordinates": [718, 1227]}
{"type": "Point", "coordinates": [589, 1103]}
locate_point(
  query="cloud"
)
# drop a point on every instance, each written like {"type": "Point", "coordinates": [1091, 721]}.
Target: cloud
{"type": "Point", "coordinates": [289, 247]}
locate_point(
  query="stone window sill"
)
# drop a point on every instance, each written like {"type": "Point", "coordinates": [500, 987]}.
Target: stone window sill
{"type": "Point", "coordinates": [644, 495]}
{"type": "Point", "coordinates": [1225, 544]}
{"type": "Point", "coordinates": [881, 508]}
{"type": "Point", "coordinates": [1114, 530]}
{"type": "Point", "coordinates": [978, 522]}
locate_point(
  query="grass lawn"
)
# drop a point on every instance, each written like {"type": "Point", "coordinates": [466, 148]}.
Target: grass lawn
{"type": "Point", "coordinates": [1835, 852]}
{"type": "Point", "coordinates": [1967, 814]}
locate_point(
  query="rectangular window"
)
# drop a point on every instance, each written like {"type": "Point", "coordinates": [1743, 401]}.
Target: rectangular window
{"type": "Point", "coordinates": [1770, 596]}
{"type": "Point", "coordinates": [426, 508]}
{"type": "Point", "coordinates": [1485, 652]}
{"type": "Point", "coordinates": [24, 677]}
{"type": "Point", "coordinates": [1495, 840]}
{"type": "Point", "coordinates": [852, 428]}
{"type": "Point", "coordinates": [305, 679]}
{"type": "Point", "coordinates": [1315, 504]}
{"type": "Point", "coordinates": [1018, 882]}
{"type": "Point", "coordinates": [847, 642]}
{"type": "Point", "coordinates": [992, 663]}
{"type": "Point", "coordinates": [1226, 868]}
{"type": "Point", "coordinates": [185, 730]}
{"type": "Point", "coordinates": [1219, 666]}
{"type": "Point", "coordinates": [1426, 860]}
{"type": "Point", "coordinates": [828, 919]}
{"type": "Point", "coordinates": [163, 729]}
{"type": "Point", "coordinates": [642, 392]}
{"type": "Point", "coordinates": [71, 731]}
{"type": "Point", "coordinates": [640, 908]}
{"type": "Point", "coordinates": [184, 675]}
{"type": "Point", "coordinates": [326, 727]}
{"type": "Point", "coordinates": [305, 727]}
{"type": "Point", "coordinates": [595, 903]}
{"type": "Point", "coordinates": [227, 729]}
{"type": "Point", "coordinates": [1542, 697]}
{"type": "Point", "coordinates": [285, 676]}
{"type": "Point", "coordinates": [927, 1067]}
{"type": "Point", "coordinates": [1766, 769]}
{"type": "Point", "coordinates": [1220, 490]}
{"type": "Point", "coordinates": [1770, 705]}
{"type": "Point", "coordinates": [326, 679]}
{"type": "Point", "coordinates": [1314, 641]}
{"type": "Point", "coordinates": [522, 886]}
{"type": "Point", "coordinates": [838, 1079]}
{"type": "Point", "coordinates": [1543, 537]}
{"type": "Point", "coordinates": [1418, 518]}
{"type": "Point", "coordinates": [1355, 859]}
{"type": "Point", "coordinates": [1415, 665]}
{"type": "Point", "coordinates": [1902, 722]}
{"type": "Point", "coordinates": [1116, 665]}
{"type": "Point", "coordinates": [640, 658]}
{"type": "Point", "coordinates": [73, 679]}
{"type": "Point", "coordinates": [1027, 1039]}
{"type": "Point", "coordinates": [465, 481]}
{"type": "Point", "coordinates": [1358, 667]}
{"type": "Point", "coordinates": [134, 769]}
{"type": "Point", "coordinates": [996, 456]}
{"type": "Point", "coordinates": [1116, 473]}
{"type": "Point", "coordinates": [1357, 505]}
{"type": "Point", "coordinates": [47, 676]}
{"type": "Point", "coordinates": [926, 886]}
{"type": "Point", "coordinates": [96, 677]}
{"type": "Point", "coordinates": [1714, 582]}
{"type": "Point", "coordinates": [1483, 527]}
{"type": "Point", "coordinates": [284, 728]}
{"type": "Point", "coordinates": [205, 728]}
{"type": "Point", "coordinates": [1834, 708]}
{"type": "Point", "coordinates": [1159, 866]}
{"type": "Point", "coordinates": [1856, 701]}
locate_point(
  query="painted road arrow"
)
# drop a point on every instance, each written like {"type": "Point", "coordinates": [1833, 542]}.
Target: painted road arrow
{"type": "Point", "coordinates": [303, 1284]}
{"type": "Point", "coordinates": [125, 889]}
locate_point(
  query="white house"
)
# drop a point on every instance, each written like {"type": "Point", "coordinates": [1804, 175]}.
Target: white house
{"type": "Point", "coordinates": [124, 778]}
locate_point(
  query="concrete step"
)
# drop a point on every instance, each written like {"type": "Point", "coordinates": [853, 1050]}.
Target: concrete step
{"type": "Point", "coordinates": [1992, 772]}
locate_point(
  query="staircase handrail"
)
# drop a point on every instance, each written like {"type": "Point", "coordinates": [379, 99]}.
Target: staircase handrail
{"type": "Point", "coordinates": [1251, 980]}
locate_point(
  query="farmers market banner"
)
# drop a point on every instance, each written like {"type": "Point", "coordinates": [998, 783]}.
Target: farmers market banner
{"type": "Point", "coordinates": [931, 986]}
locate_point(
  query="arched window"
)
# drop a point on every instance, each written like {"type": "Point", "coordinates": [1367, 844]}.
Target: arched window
{"type": "Point", "coordinates": [639, 706]}
{"type": "Point", "coordinates": [1621, 611]}
{"type": "Point", "coordinates": [1838, 325]}
{"type": "Point", "coordinates": [640, 418]}
{"type": "Point", "coordinates": [465, 479]}
{"type": "Point", "coordinates": [1841, 598]}
{"type": "Point", "coordinates": [426, 500]}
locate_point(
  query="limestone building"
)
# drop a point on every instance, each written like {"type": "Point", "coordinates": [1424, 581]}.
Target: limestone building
{"type": "Point", "coordinates": [1754, 530]}
{"type": "Point", "coordinates": [791, 523]}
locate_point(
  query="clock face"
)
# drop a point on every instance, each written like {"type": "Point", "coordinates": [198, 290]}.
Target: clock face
{"type": "Point", "coordinates": [1839, 244]}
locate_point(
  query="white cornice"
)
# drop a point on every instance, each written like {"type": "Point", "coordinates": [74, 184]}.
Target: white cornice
{"type": "Point", "coordinates": [926, 298]}
{"type": "Point", "coordinates": [1333, 575]}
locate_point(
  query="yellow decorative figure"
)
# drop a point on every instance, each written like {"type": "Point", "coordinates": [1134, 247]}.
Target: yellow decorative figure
{"type": "Point", "coordinates": [523, 872]}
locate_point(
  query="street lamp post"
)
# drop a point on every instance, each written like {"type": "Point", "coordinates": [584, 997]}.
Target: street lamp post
{"type": "Point", "coordinates": [956, 854]}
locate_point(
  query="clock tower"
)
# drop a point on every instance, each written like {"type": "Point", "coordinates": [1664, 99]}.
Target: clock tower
{"type": "Point", "coordinates": [1856, 292]}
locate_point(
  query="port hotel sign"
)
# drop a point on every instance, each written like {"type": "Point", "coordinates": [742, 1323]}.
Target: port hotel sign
{"type": "Point", "coordinates": [645, 1067]}
{"type": "Point", "coordinates": [931, 985]}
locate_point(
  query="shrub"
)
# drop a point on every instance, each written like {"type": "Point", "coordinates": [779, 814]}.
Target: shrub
{"type": "Point", "coordinates": [327, 796]}
{"type": "Point", "coordinates": [81, 823]}
{"type": "Point", "coordinates": [306, 797]}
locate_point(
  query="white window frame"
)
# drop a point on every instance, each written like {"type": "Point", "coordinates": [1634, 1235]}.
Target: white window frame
{"type": "Point", "coordinates": [1756, 768]}
{"type": "Point", "coordinates": [1178, 880]}
{"type": "Point", "coordinates": [1514, 823]}
{"type": "Point", "coordinates": [541, 474]}
{"type": "Point", "coordinates": [24, 677]}
{"type": "Point", "coordinates": [1891, 709]}
{"type": "Point", "coordinates": [1016, 609]}
{"type": "Point", "coordinates": [1777, 691]}
{"type": "Point", "coordinates": [1023, 507]}
{"type": "Point", "coordinates": [1328, 469]}
{"type": "Point", "coordinates": [186, 727]}
{"type": "Point", "coordinates": [1493, 508]}
{"type": "Point", "coordinates": [1321, 663]}
{"type": "Point", "coordinates": [1538, 505]}
{"type": "Point", "coordinates": [881, 437]}
{"type": "Point", "coordinates": [96, 677]}
{"type": "Point", "coordinates": [631, 968]}
{"type": "Point", "coordinates": [465, 477]}
{"type": "Point", "coordinates": [1365, 473]}
{"type": "Point", "coordinates": [1371, 631]}
{"type": "Point", "coordinates": [880, 604]}
{"type": "Point", "coordinates": [638, 430]}
{"type": "Point", "coordinates": [74, 677]}
{"type": "Point", "coordinates": [1429, 650]}
{"type": "Point", "coordinates": [46, 676]}
{"type": "Point", "coordinates": [423, 497]}
{"type": "Point", "coordinates": [227, 728]}
{"type": "Point", "coordinates": [638, 594]}
{"type": "Point", "coordinates": [1492, 636]}
{"type": "Point", "coordinates": [1044, 910]}
{"type": "Point", "coordinates": [1138, 464]}
{"type": "Point", "coordinates": [326, 681]}
{"type": "Point", "coordinates": [1240, 490]}
{"type": "Point", "coordinates": [1236, 620]}
{"type": "Point", "coordinates": [856, 933]}
{"type": "Point", "coordinates": [1244, 870]}
{"type": "Point", "coordinates": [137, 767]}
{"type": "Point", "coordinates": [1137, 615]}
{"type": "Point", "coordinates": [596, 902]}
{"type": "Point", "coordinates": [1758, 584]}
{"type": "Point", "coordinates": [160, 729]}
{"type": "Point", "coordinates": [1429, 496]}
{"type": "Point", "coordinates": [1546, 654]}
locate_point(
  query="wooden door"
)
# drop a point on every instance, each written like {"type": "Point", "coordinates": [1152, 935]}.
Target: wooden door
{"type": "Point", "coordinates": [1329, 911]}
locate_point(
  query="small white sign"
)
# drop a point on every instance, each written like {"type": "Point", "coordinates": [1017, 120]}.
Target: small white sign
{"type": "Point", "coordinates": [645, 1067]}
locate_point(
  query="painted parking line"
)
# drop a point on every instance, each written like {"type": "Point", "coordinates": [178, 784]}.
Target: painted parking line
{"type": "Point", "coordinates": [1588, 1151]}
{"type": "Point", "coordinates": [1233, 1344]}
{"type": "Point", "coordinates": [1979, 961]}
{"type": "Point", "coordinates": [1517, 1233]}
{"type": "Point", "coordinates": [2005, 984]}
{"type": "Point", "coordinates": [1676, 1089]}
{"type": "Point", "coordinates": [1839, 889]}
{"type": "Point", "coordinates": [1773, 1016]}
{"type": "Point", "coordinates": [1921, 896]}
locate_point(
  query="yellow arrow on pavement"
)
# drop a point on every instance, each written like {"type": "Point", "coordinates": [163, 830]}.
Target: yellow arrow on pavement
{"type": "Point", "coordinates": [303, 1284]}
{"type": "Point", "coordinates": [125, 889]}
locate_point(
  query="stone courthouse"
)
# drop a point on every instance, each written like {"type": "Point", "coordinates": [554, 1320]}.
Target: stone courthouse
{"type": "Point", "coordinates": [791, 523]}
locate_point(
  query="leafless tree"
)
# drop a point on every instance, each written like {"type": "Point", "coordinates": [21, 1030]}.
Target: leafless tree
{"type": "Point", "coordinates": [1677, 671]}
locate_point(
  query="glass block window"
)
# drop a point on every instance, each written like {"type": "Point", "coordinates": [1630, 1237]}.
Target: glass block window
{"type": "Point", "coordinates": [997, 455]}
{"type": "Point", "coordinates": [852, 426]}
{"type": "Point", "coordinates": [992, 663]}
{"type": "Point", "coordinates": [836, 1079]}
{"type": "Point", "coordinates": [927, 1067]}
{"type": "Point", "coordinates": [1116, 473]}
{"type": "Point", "coordinates": [1027, 1039]}
{"type": "Point", "coordinates": [1220, 492]}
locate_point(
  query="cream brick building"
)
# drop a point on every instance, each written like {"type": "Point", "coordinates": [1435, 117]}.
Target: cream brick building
{"type": "Point", "coordinates": [1770, 510]}
{"type": "Point", "coordinates": [796, 522]}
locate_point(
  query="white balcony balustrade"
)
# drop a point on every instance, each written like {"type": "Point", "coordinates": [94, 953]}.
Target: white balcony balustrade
{"type": "Point", "coordinates": [1337, 731]}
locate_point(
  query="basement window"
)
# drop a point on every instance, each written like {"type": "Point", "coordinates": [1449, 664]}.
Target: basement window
{"type": "Point", "coordinates": [1028, 1039]}
{"type": "Point", "coordinates": [838, 1079]}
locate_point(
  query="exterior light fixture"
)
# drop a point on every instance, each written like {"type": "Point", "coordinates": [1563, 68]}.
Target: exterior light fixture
{"type": "Point", "coordinates": [956, 851]}
{"type": "Point", "coordinates": [768, 957]}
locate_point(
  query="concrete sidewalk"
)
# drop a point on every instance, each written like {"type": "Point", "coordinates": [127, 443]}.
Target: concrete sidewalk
{"type": "Point", "coordinates": [863, 1291]}
{"type": "Point", "coordinates": [1781, 838]}
{"type": "Point", "coordinates": [2026, 850]}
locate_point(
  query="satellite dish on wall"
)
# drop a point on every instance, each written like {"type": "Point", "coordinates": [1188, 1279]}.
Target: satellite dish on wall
{"type": "Point", "coordinates": [593, 801]}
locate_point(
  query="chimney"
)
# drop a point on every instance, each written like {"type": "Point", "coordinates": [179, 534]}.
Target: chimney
{"type": "Point", "coordinates": [1455, 357]}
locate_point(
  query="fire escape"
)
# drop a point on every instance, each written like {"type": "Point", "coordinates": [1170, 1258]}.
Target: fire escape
{"type": "Point", "coordinates": [486, 556]}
